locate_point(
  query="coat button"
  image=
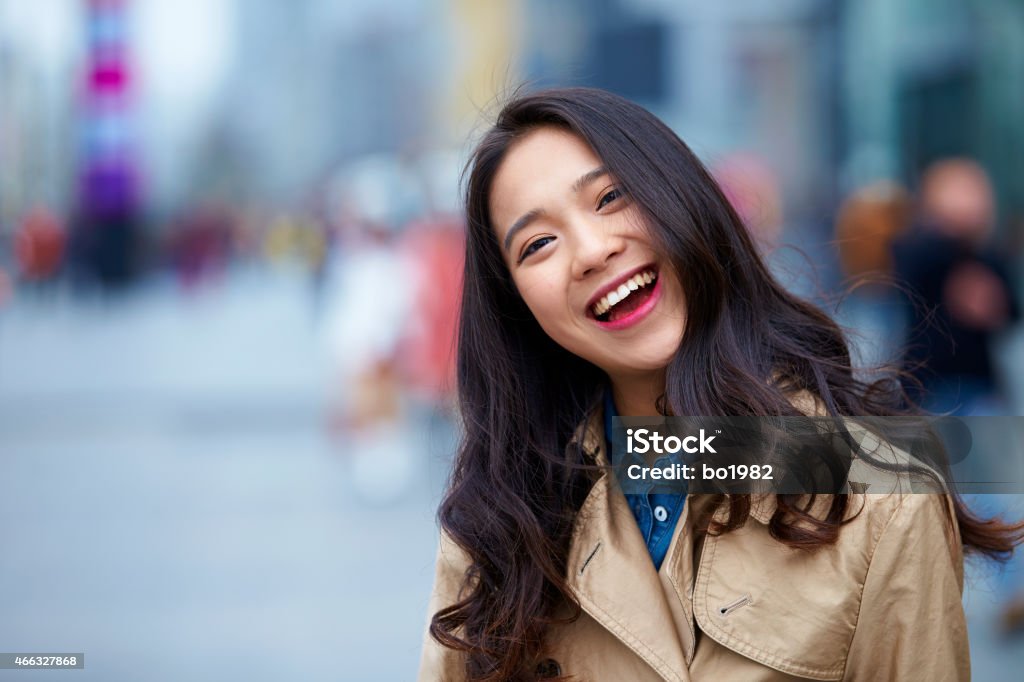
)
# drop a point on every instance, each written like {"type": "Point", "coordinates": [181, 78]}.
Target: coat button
{"type": "Point", "coordinates": [549, 668]}
{"type": "Point", "coordinates": [661, 514]}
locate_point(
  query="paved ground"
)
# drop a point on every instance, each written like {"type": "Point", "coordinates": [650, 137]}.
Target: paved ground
{"type": "Point", "coordinates": [173, 506]}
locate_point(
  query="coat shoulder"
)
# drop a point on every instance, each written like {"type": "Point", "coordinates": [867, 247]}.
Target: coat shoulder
{"type": "Point", "coordinates": [438, 662]}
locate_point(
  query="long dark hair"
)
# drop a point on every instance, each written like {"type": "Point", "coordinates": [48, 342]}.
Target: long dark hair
{"type": "Point", "coordinates": [749, 346]}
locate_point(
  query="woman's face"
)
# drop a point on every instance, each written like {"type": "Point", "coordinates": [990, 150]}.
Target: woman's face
{"type": "Point", "coordinates": [581, 258]}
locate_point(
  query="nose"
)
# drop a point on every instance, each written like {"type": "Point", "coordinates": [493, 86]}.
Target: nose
{"type": "Point", "coordinates": [595, 246]}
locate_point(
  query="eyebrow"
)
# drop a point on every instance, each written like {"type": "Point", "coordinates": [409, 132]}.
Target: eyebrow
{"type": "Point", "coordinates": [532, 215]}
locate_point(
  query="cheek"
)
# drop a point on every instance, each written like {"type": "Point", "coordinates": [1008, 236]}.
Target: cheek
{"type": "Point", "coordinates": [549, 319]}
{"type": "Point", "coordinates": [534, 287]}
{"type": "Point", "coordinates": [546, 299]}
{"type": "Point", "coordinates": [540, 295]}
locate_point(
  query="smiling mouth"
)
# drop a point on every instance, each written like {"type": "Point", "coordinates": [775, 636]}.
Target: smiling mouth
{"type": "Point", "coordinates": [631, 295]}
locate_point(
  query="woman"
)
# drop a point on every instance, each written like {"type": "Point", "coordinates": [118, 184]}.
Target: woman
{"type": "Point", "coordinates": [606, 271]}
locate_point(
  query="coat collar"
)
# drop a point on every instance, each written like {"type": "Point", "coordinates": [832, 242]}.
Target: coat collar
{"type": "Point", "coordinates": [653, 612]}
{"type": "Point", "coordinates": [615, 582]}
{"type": "Point", "coordinates": [611, 575]}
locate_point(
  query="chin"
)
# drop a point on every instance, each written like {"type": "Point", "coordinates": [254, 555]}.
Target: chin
{"type": "Point", "coordinates": [639, 365]}
{"type": "Point", "coordinates": [657, 357]}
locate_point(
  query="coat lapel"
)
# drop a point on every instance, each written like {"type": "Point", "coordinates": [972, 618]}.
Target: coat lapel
{"type": "Point", "coordinates": [613, 578]}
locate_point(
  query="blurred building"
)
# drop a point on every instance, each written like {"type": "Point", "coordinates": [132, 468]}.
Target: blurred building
{"type": "Point", "coordinates": [39, 50]}
{"type": "Point", "coordinates": [747, 76]}
{"type": "Point", "coordinates": [926, 79]}
{"type": "Point", "coordinates": [314, 83]}
{"type": "Point", "coordinates": [832, 93]}
{"type": "Point", "coordinates": [260, 100]}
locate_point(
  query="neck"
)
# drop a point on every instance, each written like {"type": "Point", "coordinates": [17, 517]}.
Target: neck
{"type": "Point", "coordinates": [637, 395]}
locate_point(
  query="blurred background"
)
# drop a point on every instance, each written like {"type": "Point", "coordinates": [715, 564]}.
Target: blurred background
{"type": "Point", "coordinates": [230, 245]}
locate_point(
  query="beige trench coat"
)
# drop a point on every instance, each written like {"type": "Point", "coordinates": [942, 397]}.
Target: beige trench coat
{"type": "Point", "coordinates": [883, 603]}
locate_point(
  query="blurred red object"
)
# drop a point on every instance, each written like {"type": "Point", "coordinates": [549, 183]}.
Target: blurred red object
{"type": "Point", "coordinates": [868, 222]}
{"type": "Point", "coordinates": [428, 348]}
{"type": "Point", "coordinates": [752, 188]}
{"type": "Point", "coordinates": [39, 245]}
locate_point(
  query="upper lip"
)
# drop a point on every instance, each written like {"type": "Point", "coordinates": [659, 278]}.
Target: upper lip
{"type": "Point", "coordinates": [616, 283]}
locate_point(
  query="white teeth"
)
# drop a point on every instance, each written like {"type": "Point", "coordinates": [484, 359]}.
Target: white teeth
{"type": "Point", "coordinates": [634, 283]}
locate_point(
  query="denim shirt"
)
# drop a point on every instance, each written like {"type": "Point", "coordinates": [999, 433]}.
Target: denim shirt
{"type": "Point", "coordinates": [656, 513]}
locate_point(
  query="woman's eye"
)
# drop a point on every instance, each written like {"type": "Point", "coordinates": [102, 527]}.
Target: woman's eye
{"type": "Point", "coordinates": [534, 246]}
{"type": "Point", "coordinates": [609, 198]}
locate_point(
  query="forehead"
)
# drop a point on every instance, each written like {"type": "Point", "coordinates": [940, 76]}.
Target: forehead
{"type": "Point", "coordinates": [538, 169]}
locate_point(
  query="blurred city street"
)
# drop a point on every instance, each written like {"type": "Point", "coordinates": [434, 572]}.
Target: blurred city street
{"type": "Point", "coordinates": [231, 254]}
{"type": "Point", "coordinates": [174, 508]}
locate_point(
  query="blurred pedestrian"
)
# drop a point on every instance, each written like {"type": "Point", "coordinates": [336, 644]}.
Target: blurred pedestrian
{"type": "Point", "coordinates": [868, 222]}
{"type": "Point", "coordinates": [434, 248]}
{"type": "Point", "coordinates": [366, 313]}
{"type": "Point", "coordinates": [963, 287]}
{"type": "Point", "coordinates": [201, 244]}
{"type": "Point", "coordinates": [39, 246]}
